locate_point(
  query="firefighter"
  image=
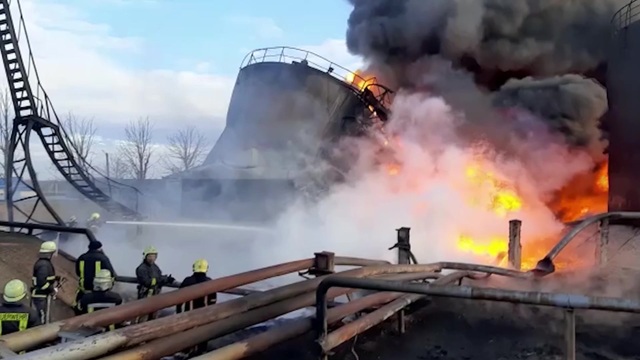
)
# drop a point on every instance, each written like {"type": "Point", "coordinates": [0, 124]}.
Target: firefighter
{"type": "Point", "coordinates": [87, 266]}
{"type": "Point", "coordinates": [93, 223]}
{"type": "Point", "coordinates": [73, 222]}
{"type": "Point", "coordinates": [200, 268]}
{"type": "Point", "coordinates": [15, 315]}
{"type": "Point", "coordinates": [101, 297]}
{"type": "Point", "coordinates": [44, 280]}
{"type": "Point", "coordinates": [150, 278]}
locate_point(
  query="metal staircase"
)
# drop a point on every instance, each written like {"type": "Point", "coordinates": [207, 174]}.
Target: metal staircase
{"type": "Point", "coordinates": [35, 113]}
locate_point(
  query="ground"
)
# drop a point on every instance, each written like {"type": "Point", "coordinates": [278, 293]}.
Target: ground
{"type": "Point", "coordinates": [476, 330]}
{"type": "Point", "coordinates": [18, 253]}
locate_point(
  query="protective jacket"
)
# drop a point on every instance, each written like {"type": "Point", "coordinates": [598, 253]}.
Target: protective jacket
{"type": "Point", "coordinates": [44, 278]}
{"type": "Point", "coordinates": [194, 279]}
{"type": "Point", "coordinates": [88, 265]}
{"type": "Point", "coordinates": [16, 317]}
{"type": "Point", "coordinates": [150, 279]}
{"type": "Point", "coordinates": [98, 300]}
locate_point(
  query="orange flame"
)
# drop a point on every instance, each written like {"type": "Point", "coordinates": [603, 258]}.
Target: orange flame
{"type": "Point", "coordinates": [357, 79]}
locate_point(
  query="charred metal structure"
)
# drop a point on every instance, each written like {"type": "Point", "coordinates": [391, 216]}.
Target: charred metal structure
{"type": "Point", "coordinates": [35, 115]}
{"type": "Point", "coordinates": [623, 75]}
{"type": "Point", "coordinates": [288, 109]}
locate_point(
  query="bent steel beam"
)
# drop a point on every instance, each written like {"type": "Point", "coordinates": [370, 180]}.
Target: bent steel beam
{"type": "Point", "coordinates": [570, 301]}
{"type": "Point", "coordinates": [545, 265]}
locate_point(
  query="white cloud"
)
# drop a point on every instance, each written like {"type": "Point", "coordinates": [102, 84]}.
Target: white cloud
{"type": "Point", "coordinates": [78, 66]}
{"type": "Point", "coordinates": [336, 51]}
{"type": "Point", "coordinates": [263, 27]}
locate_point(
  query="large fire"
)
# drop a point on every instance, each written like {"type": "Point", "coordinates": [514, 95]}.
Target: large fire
{"type": "Point", "coordinates": [489, 191]}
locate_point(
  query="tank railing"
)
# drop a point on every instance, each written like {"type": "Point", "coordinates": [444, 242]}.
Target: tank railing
{"type": "Point", "coordinates": [286, 54]}
{"type": "Point", "coordinates": [625, 16]}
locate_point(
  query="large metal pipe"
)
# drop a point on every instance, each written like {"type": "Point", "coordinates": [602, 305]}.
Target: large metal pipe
{"type": "Point", "coordinates": [572, 301]}
{"type": "Point", "coordinates": [170, 345]}
{"type": "Point", "coordinates": [235, 291]}
{"type": "Point", "coordinates": [33, 337]}
{"type": "Point", "coordinates": [376, 317]}
{"type": "Point", "coordinates": [104, 343]}
{"type": "Point", "coordinates": [265, 340]}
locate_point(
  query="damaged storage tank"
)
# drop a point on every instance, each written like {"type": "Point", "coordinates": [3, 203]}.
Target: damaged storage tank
{"type": "Point", "coordinates": [287, 109]}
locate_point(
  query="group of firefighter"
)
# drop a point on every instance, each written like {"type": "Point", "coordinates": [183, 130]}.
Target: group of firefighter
{"type": "Point", "coordinates": [96, 278]}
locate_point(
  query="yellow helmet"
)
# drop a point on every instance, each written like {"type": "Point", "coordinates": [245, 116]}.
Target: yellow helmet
{"type": "Point", "coordinates": [200, 266]}
{"type": "Point", "coordinates": [103, 280]}
{"type": "Point", "coordinates": [14, 291]}
{"type": "Point", "coordinates": [149, 250]}
{"type": "Point", "coordinates": [48, 247]}
{"type": "Point", "coordinates": [95, 216]}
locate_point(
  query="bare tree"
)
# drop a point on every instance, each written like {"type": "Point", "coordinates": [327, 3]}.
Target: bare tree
{"type": "Point", "coordinates": [187, 147]}
{"type": "Point", "coordinates": [81, 132]}
{"type": "Point", "coordinates": [6, 125]}
{"type": "Point", "coordinates": [118, 168]}
{"type": "Point", "coordinates": [138, 149]}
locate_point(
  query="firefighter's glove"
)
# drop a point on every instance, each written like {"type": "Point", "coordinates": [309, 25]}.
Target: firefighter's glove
{"type": "Point", "coordinates": [169, 280]}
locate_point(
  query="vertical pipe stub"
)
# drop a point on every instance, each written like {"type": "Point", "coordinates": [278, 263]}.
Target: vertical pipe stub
{"type": "Point", "coordinates": [323, 263]}
{"type": "Point", "coordinates": [515, 246]}
{"type": "Point", "coordinates": [404, 245]}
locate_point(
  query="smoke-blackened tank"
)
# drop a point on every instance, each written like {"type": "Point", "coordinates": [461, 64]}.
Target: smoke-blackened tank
{"type": "Point", "coordinates": [288, 106]}
{"type": "Point", "coordinates": [623, 121]}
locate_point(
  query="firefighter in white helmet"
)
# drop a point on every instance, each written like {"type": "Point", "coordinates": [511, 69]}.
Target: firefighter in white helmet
{"type": "Point", "coordinates": [102, 296]}
{"type": "Point", "coordinates": [200, 268]}
{"type": "Point", "coordinates": [150, 277]}
{"type": "Point", "coordinates": [15, 315]}
{"type": "Point", "coordinates": [44, 279]}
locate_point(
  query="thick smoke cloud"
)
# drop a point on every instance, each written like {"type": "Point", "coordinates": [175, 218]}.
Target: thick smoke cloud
{"type": "Point", "coordinates": [570, 104]}
{"type": "Point", "coordinates": [510, 47]}
{"type": "Point", "coordinates": [542, 37]}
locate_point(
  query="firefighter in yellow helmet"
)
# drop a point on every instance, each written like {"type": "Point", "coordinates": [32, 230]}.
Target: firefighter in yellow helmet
{"type": "Point", "coordinates": [102, 296]}
{"type": "Point", "coordinates": [15, 315]}
{"type": "Point", "coordinates": [44, 279]}
{"type": "Point", "coordinates": [149, 275]}
{"type": "Point", "coordinates": [94, 222]}
{"type": "Point", "coordinates": [200, 268]}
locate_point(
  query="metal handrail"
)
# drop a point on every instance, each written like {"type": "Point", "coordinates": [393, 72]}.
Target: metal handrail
{"type": "Point", "coordinates": [288, 54]}
{"type": "Point", "coordinates": [625, 16]}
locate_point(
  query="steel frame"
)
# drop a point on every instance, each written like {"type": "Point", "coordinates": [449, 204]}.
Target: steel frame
{"type": "Point", "coordinates": [35, 112]}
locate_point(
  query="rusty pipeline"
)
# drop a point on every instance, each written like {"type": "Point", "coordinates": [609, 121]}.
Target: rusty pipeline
{"type": "Point", "coordinates": [265, 340]}
{"type": "Point", "coordinates": [104, 343]}
{"type": "Point", "coordinates": [235, 291]}
{"type": "Point", "coordinates": [569, 301]}
{"type": "Point", "coordinates": [30, 338]}
{"type": "Point", "coordinates": [33, 337]}
{"type": "Point", "coordinates": [378, 316]}
{"type": "Point", "coordinates": [170, 345]}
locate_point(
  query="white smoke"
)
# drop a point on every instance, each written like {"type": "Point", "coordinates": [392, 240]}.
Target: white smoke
{"type": "Point", "coordinates": [435, 193]}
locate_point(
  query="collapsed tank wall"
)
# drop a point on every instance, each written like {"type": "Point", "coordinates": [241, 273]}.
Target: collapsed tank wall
{"type": "Point", "coordinates": [623, 91]}
{"type": "Point", "coordinates": [279, 116]}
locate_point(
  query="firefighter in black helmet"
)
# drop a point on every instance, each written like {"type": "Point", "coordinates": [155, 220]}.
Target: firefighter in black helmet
{"type": "Point", "coordinates": [87, 266]}
{"type": "Point", "coordinates": [15, 315]}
